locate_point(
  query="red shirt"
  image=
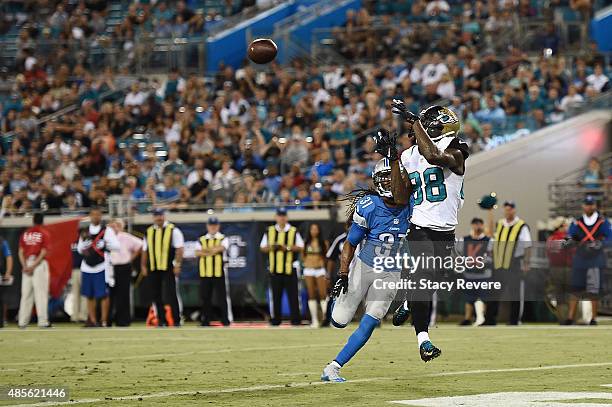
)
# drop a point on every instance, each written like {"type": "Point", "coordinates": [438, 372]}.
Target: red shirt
{"type": "Point", "coordinates": [33, 240]}
{"type": "Point", "coordinates": [557, 256]}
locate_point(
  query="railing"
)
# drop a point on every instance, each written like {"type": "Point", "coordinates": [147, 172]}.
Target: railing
{"type": "Point", "coordinates": [568, 191]}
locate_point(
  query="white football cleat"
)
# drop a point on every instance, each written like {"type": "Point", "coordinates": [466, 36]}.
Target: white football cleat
{"type": "Point", "coordinates": [331, 373]}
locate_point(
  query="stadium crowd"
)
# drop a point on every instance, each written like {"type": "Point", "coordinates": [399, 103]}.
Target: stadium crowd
{"type": "Point", "coordinates": [293, 137]}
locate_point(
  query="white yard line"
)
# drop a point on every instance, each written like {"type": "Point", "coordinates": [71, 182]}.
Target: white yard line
{"type": "Point", "coordinates": [520, 369]}
{"type": "Point", "coordinates": [198, 392]}
{"type": "Point", "coordinates": [168, 355]}
{"type": "Point", "coordinates": [607, 385]}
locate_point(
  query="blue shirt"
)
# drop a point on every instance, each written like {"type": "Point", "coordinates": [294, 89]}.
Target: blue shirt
{"type": "Point", "coordinates": [587, 257]}
{"type": "Point", "coordinates": [380, 226]}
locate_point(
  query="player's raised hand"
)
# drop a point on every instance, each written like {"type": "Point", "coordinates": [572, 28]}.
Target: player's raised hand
{"type": "Point", "coordinates": [341, 286]}
{"type": "Point", "coordinates": [398, 107]}
{"type": "Point", "coordinates": [386, 144]}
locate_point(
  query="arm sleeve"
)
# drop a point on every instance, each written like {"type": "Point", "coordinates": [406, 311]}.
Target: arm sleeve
{"type": "Point", "coordinates": [225, 243]}
{"type": "Point", "coordinates": [264, 241]}
{"type": "Point", "coordinates": [525, 236]}
{"type": "Point", "coordinates": [81, 246]}
{"type": "Point", "coordinates": [356, 234]}
{"type": "Point", "coordinates": [144, 244]}
{"type": "Point", "coordinates": [112, 243]}
{"type": "Point", "coordinates": [572, 231]}
{"type": "Point", "coordinates": [607, 229]}
{"type": "Point", "coordinates": [178, 240]}
{"type": "Point", "coordinates": [299, 242]}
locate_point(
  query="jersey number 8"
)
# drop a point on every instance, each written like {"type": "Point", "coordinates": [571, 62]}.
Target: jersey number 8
{"type": "Point", "coordinates": [435, 190]}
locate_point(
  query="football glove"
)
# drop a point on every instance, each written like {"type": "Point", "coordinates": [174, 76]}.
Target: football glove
{"type": "Point", "coordinates": [341, 286]}
{"type": "Point", "coordinates": [386, 144]}
{"type": "Point", "coordinates": [398, 107]}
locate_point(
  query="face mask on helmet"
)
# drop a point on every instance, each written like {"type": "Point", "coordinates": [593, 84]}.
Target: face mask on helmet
{"type": "Point", "coordinates": [439, 122]}
{"type": "Point", "coordinates": [382, 178]}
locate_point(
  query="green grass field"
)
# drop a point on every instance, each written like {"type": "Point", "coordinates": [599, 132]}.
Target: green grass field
{"type": "Point", "coordinates": [281, 367]}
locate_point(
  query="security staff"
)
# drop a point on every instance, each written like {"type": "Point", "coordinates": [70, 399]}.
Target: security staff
{"type": "Point", "coordinates": [590, 233]}
{"type": "Point", "coordinates": [282, 242]}
{"type": "Point", "coordinates": [511, 246]}
{"type": "Point", "coordinates": [161, 261]}
{"type": "Point", "coordinates": [213, 271]}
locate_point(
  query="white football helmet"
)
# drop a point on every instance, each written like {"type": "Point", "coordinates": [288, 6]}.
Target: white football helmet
{"type": "Point", "coordinates": [382, 178]}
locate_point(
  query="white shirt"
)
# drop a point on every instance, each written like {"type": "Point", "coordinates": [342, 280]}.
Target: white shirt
{"type": "Point", "coordinates": [110, 241]}
{"type": "Point", "coordinates": [134, 99]}
{"type": "Point", "coordinates": [194, 177]}
{"type": "Point", "coordinates": [571, 101]}
{"type": "Point", "coordinates": [597, 81]}
{"type": "Point", "coordinates": [433, 73]}
{"type": "Point", "coordinates": [298, 238]}
{"type": "Point", "coordinates": [590, 220]}
{"type": "Point", "coordinates": [178, 240]}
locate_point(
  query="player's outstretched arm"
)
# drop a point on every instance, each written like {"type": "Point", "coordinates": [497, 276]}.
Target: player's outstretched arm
{"type": "Point", "coordinates": [450, 158]}
{"type": "Point", "coordinates": [401, 188]}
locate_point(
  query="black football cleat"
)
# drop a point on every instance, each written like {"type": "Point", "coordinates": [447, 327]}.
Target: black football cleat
{"type": "Point", "coordinates": [401, 314]}
{"type": "Point", "coordinates": [428, 351]}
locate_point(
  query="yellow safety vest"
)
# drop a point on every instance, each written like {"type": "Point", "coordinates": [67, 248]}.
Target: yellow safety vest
{"type": "Point", "coordinates": [505, 243]}
{"type": "Point", "coordinates": [211, 266]}
{"type": "Point", "coordinates": [281, 261]}
{"type": "Point", "coordinates": [159, 248]}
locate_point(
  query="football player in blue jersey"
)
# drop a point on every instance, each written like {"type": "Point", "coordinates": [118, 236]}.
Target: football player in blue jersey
{"type": "Point", "coordinates": [377, 226]}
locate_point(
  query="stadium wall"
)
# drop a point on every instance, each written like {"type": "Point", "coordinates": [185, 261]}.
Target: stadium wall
{"type": "Point", "coordinates": [522, 169]}
{"type": "Point", "coordinates": [230, 46]}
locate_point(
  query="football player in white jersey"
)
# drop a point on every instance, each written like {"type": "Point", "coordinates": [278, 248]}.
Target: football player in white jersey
{"type": "Point", "coordinates": [432, 171]}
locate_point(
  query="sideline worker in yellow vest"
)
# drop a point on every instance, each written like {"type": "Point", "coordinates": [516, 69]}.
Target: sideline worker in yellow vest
{"type": "Point", "coordinates": [282, 242]}
{"type": "Point", "coordinates": [511, 246]}
{"type": "Point", "coordinates": [213, 272]}
{"type": "Point", "coordinates": [161, 261]}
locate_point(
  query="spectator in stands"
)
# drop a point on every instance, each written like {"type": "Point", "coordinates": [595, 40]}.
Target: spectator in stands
{"type": "Point", "coordinates": [598, 79]}
{"type": "Point", "coordinates": [593, 176]}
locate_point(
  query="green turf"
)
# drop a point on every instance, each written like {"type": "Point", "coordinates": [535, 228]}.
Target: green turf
{"type": "Point", "coordinates": [110, 363]}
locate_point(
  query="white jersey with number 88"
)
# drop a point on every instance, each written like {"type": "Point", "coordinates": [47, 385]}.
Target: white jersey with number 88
{"type": "Point", "coordinates": [437, 191]}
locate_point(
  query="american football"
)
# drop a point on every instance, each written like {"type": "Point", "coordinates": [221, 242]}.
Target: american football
{"type": "Point", "coordinates": [262, 51]}
{"type": "Point", "coordinates": [306, 203]}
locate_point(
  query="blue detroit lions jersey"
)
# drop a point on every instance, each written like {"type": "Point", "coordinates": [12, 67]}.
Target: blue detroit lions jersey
{"type": "Point", "coordinates": [380, 227]}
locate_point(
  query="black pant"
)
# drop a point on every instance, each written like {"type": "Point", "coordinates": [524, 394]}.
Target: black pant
{"type": "Point", "coordinates": [159, 279]}
{"type": "Point", "coordinates": [120, 294]}
{"type": "Point", "coordinates": [278, 282]}
{"type": "Point", "coordinates": [511, 282]}
{"type": "Point", "coordinates": [427, 244]}
{"type": "Point", "coordinates": [208, 287]}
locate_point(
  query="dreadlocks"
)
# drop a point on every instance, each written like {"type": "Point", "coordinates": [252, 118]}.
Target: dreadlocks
{"type": "Point", "coordinates": [353, 197]}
